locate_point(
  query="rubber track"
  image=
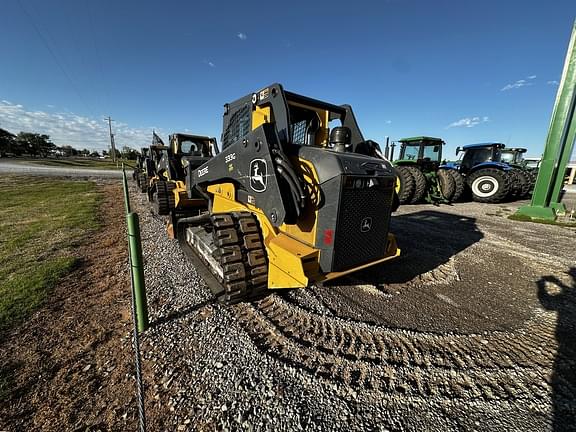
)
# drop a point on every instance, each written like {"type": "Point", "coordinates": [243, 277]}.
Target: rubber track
{"type": "Point", "coordinates": [499, 366]}
{"type": "Point", "coordinates": [242, 256]}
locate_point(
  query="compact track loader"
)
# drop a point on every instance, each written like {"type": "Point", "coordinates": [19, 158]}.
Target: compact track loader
{"type": "Point", "coordinates": [295, 197]}
{"type": "Point", "coordinates": [149, 160]}
{"type": "Point", "coordinates": [169, 191]}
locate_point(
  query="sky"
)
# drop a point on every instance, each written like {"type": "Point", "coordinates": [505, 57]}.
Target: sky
{"type": "Point", "coordinates": [465, 71]}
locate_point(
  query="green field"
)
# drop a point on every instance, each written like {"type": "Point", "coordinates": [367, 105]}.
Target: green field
{"type": "Point", "coordinates": [41, 221]}
{"type": "Point", "coordinates": [79, 163]}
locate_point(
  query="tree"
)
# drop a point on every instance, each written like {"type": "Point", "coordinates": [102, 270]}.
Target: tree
{"type": "Point", "coordinates": [7, 142]}
{"type": "Point", "coordinates": [35, 144]}
{"type": "Point", "coordinates": [94, 154]}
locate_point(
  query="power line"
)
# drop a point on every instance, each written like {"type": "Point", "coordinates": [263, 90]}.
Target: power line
{"type": "Point", "coordinates": [88, 6]}
{"type": "Point", "coordinates": [54, 57]}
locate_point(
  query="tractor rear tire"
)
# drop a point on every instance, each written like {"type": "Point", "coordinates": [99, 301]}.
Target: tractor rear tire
{"type": "Point", "coordinates": [406, 188]}
{"type": "Point", "coordinates": [525, 183]}
{"type": "Point", "coordinates": [460, 184]}
{"type": "Point", "coordinates": [515, 184]}
{"type": "Point", "coordinates": [420, 185]}
{"type": "Point", "coordinates": [489, 185]}
{"type": "Point", "coordinates": [446, 183]}
{"type": "Point", "coordinates": [533, 174]}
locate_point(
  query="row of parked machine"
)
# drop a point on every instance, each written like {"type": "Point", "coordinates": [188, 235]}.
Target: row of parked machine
{"type": "Point", "coordinates": [486, 172]}
{"type": "Point", "coordinates": [294, 196]}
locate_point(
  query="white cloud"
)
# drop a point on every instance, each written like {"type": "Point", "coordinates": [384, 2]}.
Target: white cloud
{"type": "Point", "coordinates": [388, 121]}
{"type": "Point", "coordinates": [520, 83]}
{"type": "Point", "coordinates": [553, 82]}
{"type": "Point", "coordinates": [468, 122]}
{"type": "Point", "coordinates": [242, 36]}
{"type": "Point", "coordinates": [66, 128]}
{"type": "Point", "coordinates": [211, 64]}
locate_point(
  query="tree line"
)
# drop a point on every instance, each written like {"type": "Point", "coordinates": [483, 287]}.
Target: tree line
{"type": "Point", "coordinates": [39, 145]}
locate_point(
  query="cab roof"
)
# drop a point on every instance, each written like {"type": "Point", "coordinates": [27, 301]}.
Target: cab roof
{"type": "Point", "coordinates": [516, 149]}
{"type": "Point", "coordinates": [421, 138]}
{"type": "Point", "coordinates": [480, 145]}
{"type": "Point", "coordinates": [191, 136]}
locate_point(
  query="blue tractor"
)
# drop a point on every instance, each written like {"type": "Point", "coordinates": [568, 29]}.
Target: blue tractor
{"type": "Point", "coordinates": [489, 179]}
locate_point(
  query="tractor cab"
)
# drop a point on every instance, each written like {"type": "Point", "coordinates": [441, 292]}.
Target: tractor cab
{"type": "Point", "coordinates": [513, 156]}
{"type": "Point", "coordinates": [480, 155]}
{"type": "Point", "coordinates": [423, 151]}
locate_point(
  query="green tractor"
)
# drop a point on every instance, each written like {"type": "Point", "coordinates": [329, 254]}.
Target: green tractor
{"type": "Point", "coordinates": [421, 174]}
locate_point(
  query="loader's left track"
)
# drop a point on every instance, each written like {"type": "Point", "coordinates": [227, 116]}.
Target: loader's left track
{"type": "Point", "coordinates": [164, 200]}
{"type": "Point", "coordinates": [236, 250]}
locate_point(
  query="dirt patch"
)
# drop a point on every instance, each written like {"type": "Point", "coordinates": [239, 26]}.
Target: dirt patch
{"type": "Point", "coordinates": [70, 365]}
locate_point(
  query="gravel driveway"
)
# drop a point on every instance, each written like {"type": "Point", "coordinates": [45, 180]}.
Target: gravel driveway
{"type": "Point", "coordinates": [471, 329]}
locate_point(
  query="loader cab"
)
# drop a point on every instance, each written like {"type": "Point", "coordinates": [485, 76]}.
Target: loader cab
{"type": "Point", "coordinates": [187, 149]}
{"type": "Point", "coordinates": [154, 155]}
{"type": "Point", "coordinates": [193, 145]}
{"type": "Point", "coordinates": [423, 151]}
{"type": "Point", "coordinates": [300, 121]}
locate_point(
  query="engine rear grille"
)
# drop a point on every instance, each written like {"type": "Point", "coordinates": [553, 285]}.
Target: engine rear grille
{"type": "Point", "coordinates": [362, 226]}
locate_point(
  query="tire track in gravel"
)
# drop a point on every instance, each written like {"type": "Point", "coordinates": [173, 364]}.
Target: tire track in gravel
{"type": "Point", "coordinates": [472, 367]}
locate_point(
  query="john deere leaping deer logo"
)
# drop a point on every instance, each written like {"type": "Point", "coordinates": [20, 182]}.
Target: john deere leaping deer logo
{"type": "Point", "coordinates": [366, 224]}
{"type": "Point", "coordinates": [258, 171]}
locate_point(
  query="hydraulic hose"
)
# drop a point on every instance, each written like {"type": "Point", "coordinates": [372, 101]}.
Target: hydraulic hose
{"type": "Point", "coordinates": [289, 172]}
{"type": "Point", "coordinates": [293, 189]}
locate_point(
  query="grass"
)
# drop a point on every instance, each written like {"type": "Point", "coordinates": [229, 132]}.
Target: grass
{"type": "Point", "coordinates": [79, 163]}
{"type": "Point", "coordinates": [41, 221]}
{"type": "Point", "coordinates": [524, 218]}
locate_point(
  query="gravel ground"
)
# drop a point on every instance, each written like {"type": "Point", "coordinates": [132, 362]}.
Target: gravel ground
{"type": "Point", "coordinates": [472, 329]}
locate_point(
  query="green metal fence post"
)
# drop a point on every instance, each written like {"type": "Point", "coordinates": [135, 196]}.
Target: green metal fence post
{"type": "Point", "coordinates": [136, 260]}
{"type": "Point", "coordinates": [545, 202]}
{"type": "Point", "coordinates": [137, 270]}
{"type": "Point", "coordinates": [126, 194]}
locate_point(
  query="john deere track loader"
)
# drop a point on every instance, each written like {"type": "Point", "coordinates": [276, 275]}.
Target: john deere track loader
{"type": "Point", "coordinates": [293, 198]}
{"type": "Point", "coordinates": [149, 161]}
{"type": "Point", "coordinates": [169, 191]}
{"type": "Point", "coordinates": [139, 167]}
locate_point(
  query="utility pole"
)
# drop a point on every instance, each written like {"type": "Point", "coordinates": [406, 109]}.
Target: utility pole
{"type": "Point", "coordinates": [112, 145]}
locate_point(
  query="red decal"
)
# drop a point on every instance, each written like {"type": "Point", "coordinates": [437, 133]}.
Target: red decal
{"type": "Point", "coordinates": [328, 236]}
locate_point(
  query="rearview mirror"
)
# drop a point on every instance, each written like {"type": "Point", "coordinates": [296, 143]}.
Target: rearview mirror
{"type": "Point", "coordinates": [458, 150]}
